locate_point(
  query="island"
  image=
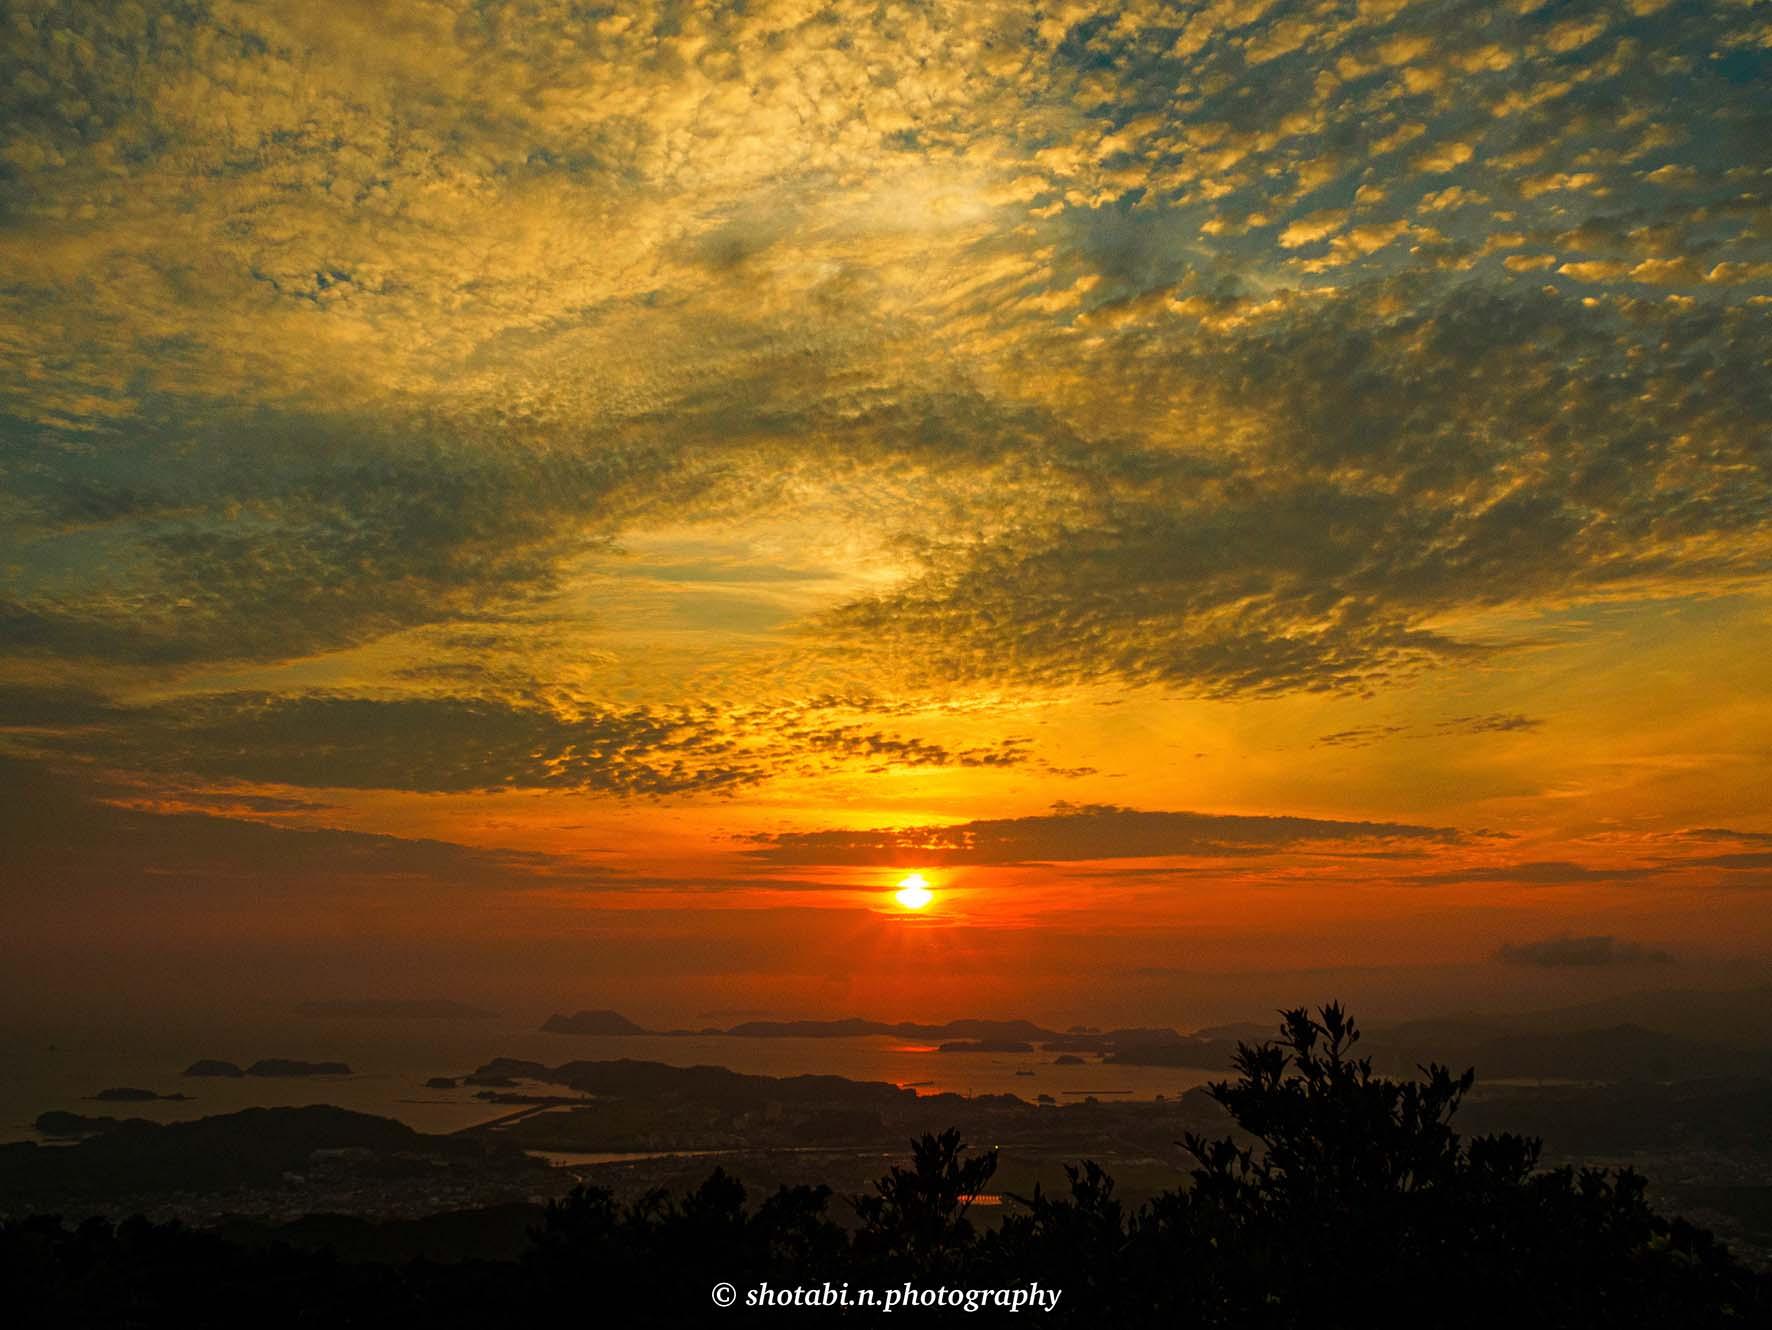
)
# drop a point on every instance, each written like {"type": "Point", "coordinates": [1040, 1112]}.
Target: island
{"type": "Point", "coordinates": [129, 1094]}
{"type": "Point", "coordinates": [267, 1067]}
{"type": "Point", "coordinates": [592, 1022]}
{"type": "Point", "coordinates": [213, 1067]}
{"type": "Point", "coordinates": [999, 1035]}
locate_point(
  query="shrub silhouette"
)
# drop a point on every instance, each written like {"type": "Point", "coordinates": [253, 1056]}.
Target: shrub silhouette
{"type": "Point", "coordinates": [656, 1243]}
{"type": "Point", "coordinates": [1352, 1193]}
{"type": "Point", "coordinates": [1347, 1199]}
{"type": "Point", "coordinates": [920, 1213]}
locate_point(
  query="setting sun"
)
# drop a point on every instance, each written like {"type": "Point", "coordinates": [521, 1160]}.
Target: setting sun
{"type": "Point", "coordinates": [913, 892]}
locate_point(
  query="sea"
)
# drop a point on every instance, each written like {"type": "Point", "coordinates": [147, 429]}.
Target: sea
{"type": "Point", "coordinates": [391, 1058]}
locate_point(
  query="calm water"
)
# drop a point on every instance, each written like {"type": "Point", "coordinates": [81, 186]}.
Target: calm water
{"type": "Point", "coordinates": [391, 1060]}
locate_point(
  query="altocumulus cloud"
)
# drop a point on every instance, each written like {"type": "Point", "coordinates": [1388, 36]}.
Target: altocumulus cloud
{"type": "Point", "coordinates": [1239, 350]}
{"type": "Point", "coordinates": [1536, 873]}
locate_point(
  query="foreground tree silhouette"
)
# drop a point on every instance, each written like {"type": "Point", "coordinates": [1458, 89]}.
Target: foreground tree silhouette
{"type": "Point", "coordinates": [1351, 1194]}
{"type": "Point", "coordinates": [918, 1215]}
{"type": "Point", "coordinates": [657, 1243]}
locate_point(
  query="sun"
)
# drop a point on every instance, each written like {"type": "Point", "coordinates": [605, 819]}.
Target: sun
{"type": "Point", "coordinates": [913, 891]}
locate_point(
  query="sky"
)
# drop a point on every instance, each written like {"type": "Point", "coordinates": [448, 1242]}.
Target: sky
{"type": "Point", "coordinates": [569, 504]}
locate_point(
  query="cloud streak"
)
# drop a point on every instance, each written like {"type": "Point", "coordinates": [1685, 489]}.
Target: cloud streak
{"type": "Point", "coordinates": [1092, 832]}
{"type": "Point", "coordinates": [1580, 952]}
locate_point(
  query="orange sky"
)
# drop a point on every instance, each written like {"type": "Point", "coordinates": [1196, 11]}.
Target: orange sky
{"type": "Point", "coordinates": [1249, 499]}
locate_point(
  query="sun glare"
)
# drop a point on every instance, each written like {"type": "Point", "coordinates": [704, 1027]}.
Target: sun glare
{"type": "Point", "coordinates": [913, 891]}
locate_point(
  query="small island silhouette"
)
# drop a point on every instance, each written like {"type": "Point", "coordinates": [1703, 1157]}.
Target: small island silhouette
{"type": "Point", "coordinates": [266, 1067]}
